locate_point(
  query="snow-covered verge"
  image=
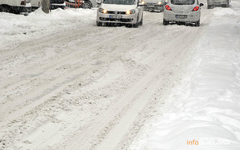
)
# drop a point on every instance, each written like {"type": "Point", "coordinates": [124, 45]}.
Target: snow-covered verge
{"type": "Point", "coordinates": [19, 28]}
{"type": "Point", "coordinates": [205, 109]}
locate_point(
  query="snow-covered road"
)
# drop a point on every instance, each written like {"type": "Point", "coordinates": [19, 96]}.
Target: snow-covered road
{"type": "Point", "coordinates": [68, 84]}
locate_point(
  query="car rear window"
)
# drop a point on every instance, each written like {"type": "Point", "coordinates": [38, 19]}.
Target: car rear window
{"type": "Point", "coordinates": [119, 2]}
{"type": "Point", "coordinates": [182, 2]}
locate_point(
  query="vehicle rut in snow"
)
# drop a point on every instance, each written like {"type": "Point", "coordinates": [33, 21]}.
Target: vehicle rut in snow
{"type": "Point", "coordinates": [79, 90]}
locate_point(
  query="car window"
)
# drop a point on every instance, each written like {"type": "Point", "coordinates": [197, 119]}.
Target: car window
{"type": "Point", "coordinates": [182, 2]}
{"type": "Point", "coordinates": [119, 2]}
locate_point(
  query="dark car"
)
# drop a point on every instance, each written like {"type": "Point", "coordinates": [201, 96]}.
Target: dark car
{"type": "Point", "coordinates": [154, 5]}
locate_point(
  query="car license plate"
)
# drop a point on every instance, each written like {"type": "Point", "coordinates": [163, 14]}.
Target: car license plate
{"type": "Point", "coordinates": [115, 16]}
{"type": "Point", "coordinates": [181, 16]}
{"type": "Point", "coordinates": [150, 6]}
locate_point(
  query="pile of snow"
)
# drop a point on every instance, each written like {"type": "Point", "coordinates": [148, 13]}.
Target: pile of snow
{"type": "Point", "coordinates": [19, 28]}
{"type": "Point", "coordinates": [209, 118]}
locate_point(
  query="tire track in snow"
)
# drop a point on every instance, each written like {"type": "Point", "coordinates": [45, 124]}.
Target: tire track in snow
{"type": "Point", "coordinates": [66, 82]}
{"type": "Point", "coordinates": [139, 36]}
{"type": "Point", "coordinates": [63, 59]}
{"type": "Point", "coordinates": [83, 140]}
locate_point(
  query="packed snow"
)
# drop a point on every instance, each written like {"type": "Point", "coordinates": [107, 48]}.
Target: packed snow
{"type": "Point", "coordinates": [38, 24]}
{"type": "Point", "coordinates": [206, 115]}
{"type": "Point", "coordinates": [199, 111]}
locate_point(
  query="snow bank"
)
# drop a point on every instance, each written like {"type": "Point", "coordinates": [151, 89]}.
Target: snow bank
{"type": "Point", "coordinates": [19, 28]}
{"type": "Point", "coordinates": [209, 119]}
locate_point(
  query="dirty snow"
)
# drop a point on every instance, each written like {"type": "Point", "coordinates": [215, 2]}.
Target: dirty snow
{"type": "Point", "coordinates": [67, 84]}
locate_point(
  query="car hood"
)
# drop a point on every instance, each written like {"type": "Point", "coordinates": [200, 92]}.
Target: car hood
{"type": "Point", "coordinates": [114, 7]}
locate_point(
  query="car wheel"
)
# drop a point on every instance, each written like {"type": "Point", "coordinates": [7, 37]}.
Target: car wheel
{"type": "Point", "coordinates": [135, 25]}
{"type": "Point", "coordinates": [227, 4]}
{"type": "Point", "coordinates": [141, 22]}
{"type": "Point", "coordinates": [161, 10]}
{"type": "Point", "coordinates": [197, 24]}
{"type": "Point", "coordinates": [99, 23]}
{"type": "Point", "coordinates": [209, 6]}
{"type": "Point", "coordinates": [87, 5]}
{"type": "Point", "coordinates": [165, 22]}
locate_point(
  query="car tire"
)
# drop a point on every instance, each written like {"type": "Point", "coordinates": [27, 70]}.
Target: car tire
{"type": "Point", "coordinates": [227, 4]}
{"type": "Point", "coordinates": [141, 22]}
{"type": "Point", "coordinates": [197, 24]}
{"type": "Point", "coordinates": [165, 22]}
{"type": "Point", "coordinates": [162, 9]}
{"type": "Point", "coordinates": [135, 25]}
{"type": "Point", "coordinates": [99, 23]}
{"type": "Point", "coordinates": [87, 5]}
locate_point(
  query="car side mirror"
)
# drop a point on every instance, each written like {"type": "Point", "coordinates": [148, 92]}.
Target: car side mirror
{"type": "Point", "coordinates": [201, 4]}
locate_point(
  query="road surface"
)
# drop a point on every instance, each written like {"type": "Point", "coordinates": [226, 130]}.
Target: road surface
{"type": "Point", "coordinates": [91, 88]}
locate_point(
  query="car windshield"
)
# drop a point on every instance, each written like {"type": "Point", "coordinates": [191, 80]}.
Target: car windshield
{"type": "Point", "coordinates": [182, 2]}
{"type": "Point", "coordinates": [119, 2]}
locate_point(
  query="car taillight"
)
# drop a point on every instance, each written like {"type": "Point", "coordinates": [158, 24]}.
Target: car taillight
{"type": "Point", "coordinates": [195, 8]}
{"type": "Point", "coordinates": [23, 2]}
{"type": "Point", "coordinates": [168, 7]}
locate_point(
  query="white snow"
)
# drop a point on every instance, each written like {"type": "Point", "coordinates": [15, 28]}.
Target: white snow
{"type": "Point", "coordinates": [23, 28]}
{"type": "Point", "coordinates": [201, 113]}
{"type": "Point", "coordinates": [208, 116]}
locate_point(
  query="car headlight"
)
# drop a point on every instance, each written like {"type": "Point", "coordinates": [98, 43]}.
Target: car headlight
{"type": "Point", "coordinates": [101, 10]}
{"type": "Point", "coordinates": [130, 12]}
{"type": "Point", "coordinates": [159, 3]}
{"type": "Point", "coordinates": [142, 2]}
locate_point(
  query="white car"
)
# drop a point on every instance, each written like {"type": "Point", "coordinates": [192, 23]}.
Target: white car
{"type": "Point", "coordinates": [182, 12]}
{"type": "Point", "coordinates": [128, 12]}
